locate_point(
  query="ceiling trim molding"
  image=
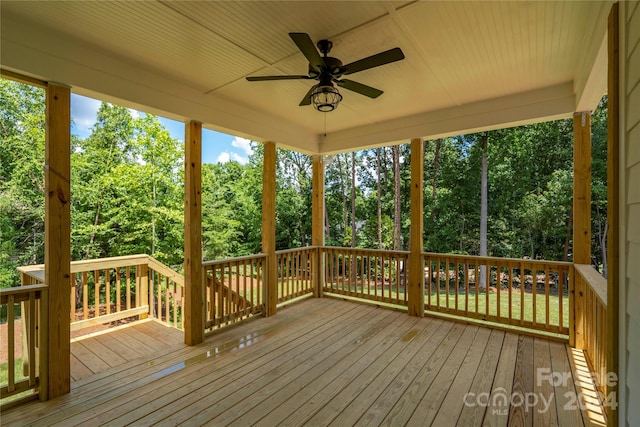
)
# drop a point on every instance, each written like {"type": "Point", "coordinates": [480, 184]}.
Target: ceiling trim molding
{"type": "Point", "coordinates": [540, 105]}
{"type": "Point", "coordinates": [31, 50]}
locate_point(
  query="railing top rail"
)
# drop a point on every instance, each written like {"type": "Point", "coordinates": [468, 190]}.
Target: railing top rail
{"type": "Point", "coordinates": [92, 264]}
{"type": "Point", "coordinates": [234, 259]}
{"type": "Point", "coordinates": [15, 290]}
{"type": "Point", "coordinates": [500, 259]}
{"type": "Point", "coordinates": [594, 280]}
{"type": "Point", "coordinates": [21, 292]}
{"type": "Point", "coordinates": [111, 262]}
{"type": "Point", "coordinates": [166, 271]}
{"type": "Point", "coordinates": [302, 248]}
{"type": "Point", "coordinates": [373, 251]}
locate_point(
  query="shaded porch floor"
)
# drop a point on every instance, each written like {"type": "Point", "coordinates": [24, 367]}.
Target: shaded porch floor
{"type": "Point", "coordinates": [329, 362]}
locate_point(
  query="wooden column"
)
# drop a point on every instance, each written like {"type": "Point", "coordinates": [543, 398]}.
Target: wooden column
{"type": "Point", "coordinates": [317, 222]}
{"type": "Point", "coordinates": [416, 268]}
{"type": "Point", "coordinates": [57, 235]}
{"type": "Point", "coordinates": [581, 213]}
{"type": "Point", "coordinates": [613, 201]}
{"type": "Point", "coordinates": [194, 283]}
{"type": "Point", "coordinates": [269, 227]}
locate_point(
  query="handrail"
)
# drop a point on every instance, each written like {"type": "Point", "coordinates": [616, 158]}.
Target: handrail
{"type": "Point", "coordinates": [295, 272]}
{"type": "Point", "coordinates": [35, 352]}
{"type": "Point", "coordinates": [370, 274]}
{"type": "Point", "coordinates": [595, 280]}
{"type": "Point", "coordinates": [233, 259]}
{"type": "Point", "coordinates": [166, 271]}
{"type": "Point", "coordinates": [591, 321]}
{"type": "Point", "coordinates": [293, 250]}
{"type": "Point", "coordinates": [115, 288]}
{"type": "Point", "coordinates": [501, 259]}
{"type": "Point", "coordinates": [525, 293]}
{"type": "Point", "coordinates": [234, 289]}
{"type": "Point", "coordinates": [372, 251]}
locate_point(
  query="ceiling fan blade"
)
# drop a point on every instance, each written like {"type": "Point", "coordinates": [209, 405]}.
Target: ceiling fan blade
{"type": "Point", "coordinates": [307, 98]}
{"type": "Point", "coordinates": [265, 78]}
{"type": "Point", "coordinates": [382, 58]}
{"type": "Point", "coordinates": [308, 49]}
{"type": "Point", "coordinates": [365, 90]}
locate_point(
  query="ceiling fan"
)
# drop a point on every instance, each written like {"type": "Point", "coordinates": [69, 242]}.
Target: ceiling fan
{"type": "Point", "coordinates": [328, 70]}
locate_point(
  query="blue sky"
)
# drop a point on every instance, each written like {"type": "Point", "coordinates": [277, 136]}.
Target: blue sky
{"type": "Point", "coordinates": [216, 147]}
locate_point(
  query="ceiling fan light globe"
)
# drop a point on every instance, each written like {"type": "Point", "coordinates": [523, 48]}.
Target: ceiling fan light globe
{"type": "Point", "coordinates": [325, 98]}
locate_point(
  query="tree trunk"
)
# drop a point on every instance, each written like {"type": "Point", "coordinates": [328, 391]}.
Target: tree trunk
{"type": "Point", "coordinates": [567, 238]}
{"type": "Point", "coordinates": [344, 195]}
{"type": "Point", "coordinates": [483, 211]}
{"type": "Point", "coordinates": [396, 198]}
{"type": "Point", "coordinates": [353, 199]}
{"type": "Point", "coordinates": [379, 171]}
{"type": "Point", "coordinates": [436, 163]}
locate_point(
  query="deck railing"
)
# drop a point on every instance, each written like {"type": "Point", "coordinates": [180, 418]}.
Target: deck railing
{"type": "Point", "coordinates": [295, 272]}
{"type": "Point", "coordinates": [111, 289]}
{"type": "Point", "coordinates": [532, 294]}
{"type": "Point", "coordinates": [234, 289]}
{"type": "Point", "coordinates": [591, 319]}
{"type": "Point", "coordinates": [375, 275]}
{"type": "Point", "coordinates": [30, 301]}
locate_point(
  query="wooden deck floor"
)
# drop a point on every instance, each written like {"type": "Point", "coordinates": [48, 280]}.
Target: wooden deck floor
{"type": "Point", "coordinates": [329, 362]}
{"type": "Point", "coordinates": [96, 352]}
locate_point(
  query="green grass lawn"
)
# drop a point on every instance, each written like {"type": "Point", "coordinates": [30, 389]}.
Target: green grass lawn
{"type": "Point", "coordinates": [4, 372]}
{"type": "Point", "coordinates": [516, 309]}
{"type": "Point", "coordinates": [554, 305]}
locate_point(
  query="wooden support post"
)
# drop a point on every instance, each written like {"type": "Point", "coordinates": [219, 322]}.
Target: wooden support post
{"type": "Point", "coordinates": [317, 220]}
{"type": "Point", "coordinates": [57, 235]}
{"type": "Point", "coordinates": [193, 280]}
{"type": "Point", "coordinates": [269, 227]}
{"type": "Point", "coordinates": [416, 268]}
{"type": "Point", "coordinates": [613, 201]}
{"type": "Point", "coordinates": [581, 213]}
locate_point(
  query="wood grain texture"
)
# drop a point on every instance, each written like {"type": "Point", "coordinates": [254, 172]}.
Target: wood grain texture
{"type": "Point", "coordinates": [269, 226]}
{"type": "Point", "coordinates": [57, 234]}
{"type": "Point", "coordinates": [317, 221]}
{"type": "Point", "coordinates": [318, 362]}
{"type": "Point", "coordinates": [416, 267]}
{"type": "Point", "coordinates": [194, 286]}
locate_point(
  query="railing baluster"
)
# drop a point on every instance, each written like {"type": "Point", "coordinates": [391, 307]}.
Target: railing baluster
{"type": "Point", "coordinates": [128, 290]}
{"type": "Point", "coordinates": [11, 330]}
{"type": "Point", "coordinates": [31, 339]}
{"type": "Point", "coordinates": [546, 295]}
{"type": "Point", "coordinates": [96, 293]}
{"type": "Point", "coordinates": [118, 296]}
{"type": "Point", "coordinates": [487, 286]}
{"type": "Point", "coordinates": [85, 295]}
{"type": "Point", "coordinates": [107, 291]}
{"type": "Point", "coordinates": [534, 289]}
{"type": "Point", "coordinates": [523, 283]}
{"type": "Point", "coordinates": [72, 281]}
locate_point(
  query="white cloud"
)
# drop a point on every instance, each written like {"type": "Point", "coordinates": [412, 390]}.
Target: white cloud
{"type": "Point", "coordinates": [223, 157]}
{"type": "Point", "coordinates": [134, 113]}
{"type": "Point", "coordinates": [243, 144]}
{"type": "Point", "coordinates": [227, 156]}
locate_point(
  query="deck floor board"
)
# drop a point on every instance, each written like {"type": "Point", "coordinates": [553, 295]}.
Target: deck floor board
{"type": "Point", "coordinates": [317, 362]}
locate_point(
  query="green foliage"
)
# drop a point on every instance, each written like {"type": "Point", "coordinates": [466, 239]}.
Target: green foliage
{"type": "Point", "coordinates": [127, 191]}
{"type": "Point", "coordinates": [21, 178]}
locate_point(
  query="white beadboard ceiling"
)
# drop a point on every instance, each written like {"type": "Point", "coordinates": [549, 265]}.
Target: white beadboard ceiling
{"type": "Point", "coordinates": [470, 65]}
